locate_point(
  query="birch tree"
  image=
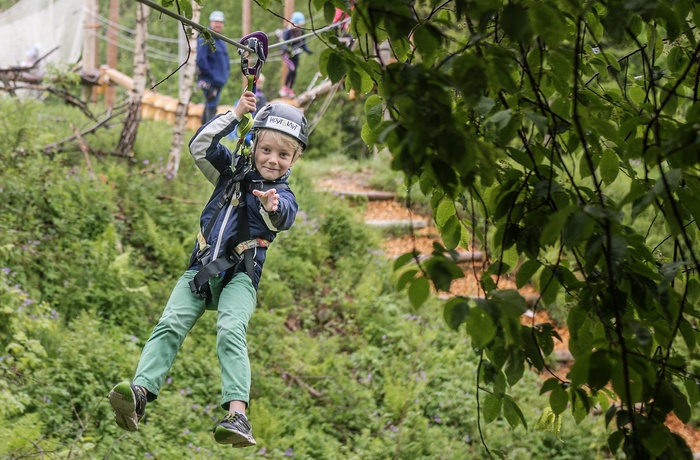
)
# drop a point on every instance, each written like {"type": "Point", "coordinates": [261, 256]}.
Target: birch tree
{"type": "Point", "coordinates": [133, 113]}
{"type": "Point", "coordinates": [189, 70]}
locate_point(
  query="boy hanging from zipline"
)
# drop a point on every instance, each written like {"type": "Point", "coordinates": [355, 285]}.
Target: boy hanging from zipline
{"type": "Point", "coordinates": [250, 204]}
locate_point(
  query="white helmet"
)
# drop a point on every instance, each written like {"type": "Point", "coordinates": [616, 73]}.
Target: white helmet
{"type": "Point", "coordinates": [284, 118]}
{"type": "Point", "coordinates": [216, 16]}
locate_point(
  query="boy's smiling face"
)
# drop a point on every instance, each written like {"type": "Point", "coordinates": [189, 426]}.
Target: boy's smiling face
{"type": "Point", "coordinates": [272, 157]}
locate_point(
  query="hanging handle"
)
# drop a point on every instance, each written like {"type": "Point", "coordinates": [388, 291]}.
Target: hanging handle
{"type": "Point", "coordinates": [251, 66]}
{"type": "Point", "coordinates": [251, 63]}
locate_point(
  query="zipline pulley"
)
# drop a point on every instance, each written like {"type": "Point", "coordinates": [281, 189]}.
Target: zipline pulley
{"type": "Point", "coordinates": [251, 66]}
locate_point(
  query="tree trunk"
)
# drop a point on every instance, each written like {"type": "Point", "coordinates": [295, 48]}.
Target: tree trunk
{"type": "Point", "coordinates": [133, 113]}
{"type": "Point", "coordinates": [183, 101]}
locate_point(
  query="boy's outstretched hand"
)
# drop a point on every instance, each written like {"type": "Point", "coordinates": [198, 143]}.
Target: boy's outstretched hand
{"type": "Point", "coordinates": [270, 199]}
{"type": "Point", "coordinates": [245, 104]}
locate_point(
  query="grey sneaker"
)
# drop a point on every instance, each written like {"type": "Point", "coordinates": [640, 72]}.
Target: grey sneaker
{"type": "Point", "coordinates": [234, 429]}
{"type": "Point", "coordinates": [129, 404]}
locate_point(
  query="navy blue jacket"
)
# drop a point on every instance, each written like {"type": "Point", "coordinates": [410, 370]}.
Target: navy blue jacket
{"type": "Point", "coordinates": [214, 66]}
{"type": "Point", "coordinates": [296, 47]}
{"type": "Point", "coordinates": [215, 161]}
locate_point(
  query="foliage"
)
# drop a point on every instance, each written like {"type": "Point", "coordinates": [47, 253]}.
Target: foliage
{"type": "Point", "coordinates": [560, 136]}
{"type": "Point", "coordinates": [537, 111]}
{"type": "Point", "coordinates": [343, 366]}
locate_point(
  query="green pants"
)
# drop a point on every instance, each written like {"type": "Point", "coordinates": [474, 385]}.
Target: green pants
{"type": "Point", "coordinates": [234, 304]}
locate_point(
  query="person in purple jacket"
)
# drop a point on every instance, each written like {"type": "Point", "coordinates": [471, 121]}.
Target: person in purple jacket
{"type": "Point", "coordinates": [213, 67]}
{"type": "Point", "coordinates": [250, 204]}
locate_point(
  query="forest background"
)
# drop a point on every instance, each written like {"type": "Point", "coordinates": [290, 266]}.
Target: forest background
{"type": "Point", "coordinates": [344, 366]}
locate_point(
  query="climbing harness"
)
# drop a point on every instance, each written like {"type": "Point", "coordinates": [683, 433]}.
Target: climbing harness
{"type": "Point", "coordinates": [228, 262]}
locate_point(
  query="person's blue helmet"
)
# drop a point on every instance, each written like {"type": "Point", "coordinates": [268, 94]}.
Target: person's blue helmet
{"type": "Point", "coordinates": [298, 18]}
{"type": "Point", "coordinates": [216, 16]}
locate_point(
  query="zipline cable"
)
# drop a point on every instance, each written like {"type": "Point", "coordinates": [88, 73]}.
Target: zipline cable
{"type": "Point", "coordinates": [194, 25]}
{"type": "Point", "coordinates": [132, 32]}
{"type": "Point", "coordinates": [314, 32]}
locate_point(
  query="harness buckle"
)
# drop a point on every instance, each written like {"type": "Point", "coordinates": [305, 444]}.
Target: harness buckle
{"type": "Point", "coordinates": [204, 254]}
{"type": "Point", "coordinates": [235, 199]}
{"type": "Point", "coordinates": [250, 244]}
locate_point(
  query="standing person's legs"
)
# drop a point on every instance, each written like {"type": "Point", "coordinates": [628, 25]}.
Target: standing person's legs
{"type": "Point", "coordinates": [181, 313]}
{"type": "Point", "coordinates": [292, 74]}
{"type": "Point", "coordinates": [211, 103]}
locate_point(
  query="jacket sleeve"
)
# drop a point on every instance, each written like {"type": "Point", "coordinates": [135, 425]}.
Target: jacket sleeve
{"type": "Point", "coordinates": [283, 218]}
{"type": "Point", "coordinates": [209, 155]}
{"type": "Point", "coordinates": [285, 36]}
{"type": "Point", "coordinates": [203, 51]}
{"type": "Point", "coordinates": [305, 47]}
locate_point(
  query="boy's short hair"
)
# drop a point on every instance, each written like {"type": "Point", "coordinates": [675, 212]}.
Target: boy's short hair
{"type": "Point", "coordinates": [281, 138]}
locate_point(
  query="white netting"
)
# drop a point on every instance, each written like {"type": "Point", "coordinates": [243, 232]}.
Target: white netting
{"type": "Point", "coordinates": [35, 27]}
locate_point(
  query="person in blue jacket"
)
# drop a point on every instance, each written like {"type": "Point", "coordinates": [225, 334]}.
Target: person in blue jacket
{"type": "Point", "coordinates": [213, 66]}
{"type": "Point", "coordinates": [250, 204]}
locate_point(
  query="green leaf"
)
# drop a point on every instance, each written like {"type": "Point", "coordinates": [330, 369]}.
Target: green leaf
{"type": "Point", "coordinates": [553, 228]}
{"type": "Point", "coordinates": [442, 272]}
{"type": "Point", "coordinates": [672, 179]}
{"type": "Point", "coordinates": [558, 399]}
{"type": "Point", "coordinates": [427, 39]}
{"type": "Point", "coordinates": [526, 272]}
{"type": "Point", "coordinates": [615, 440]}
{"type": "Point", "coordinates": [336, 67]}
{"type": "Point", "coordinates": [510, 301]}
{"type": "Point", "coordinates": [692, 388]}
{"type": "Point", "coordinates": [373, 111]}
{"type": "Point", "coordinates": [549, 385]}
{"type": "Point", "coordinates": [580, 370]}
{"type": "Point", "coordinates": [186, 9]}
{"type": "Point", "coordinates": [405, 278]}
{"type": "Point", "coordinates": [491, 407]}
{"type": "Point", "coordinates": [548, 23]}
{"type": "Point", "coordinates": [657, 440]}
{"type": "Point", "coordinates": [577, 229]}
{"type": "Point", "coordinates": [451, 232]}
{"type": "Point", "coordinates": [609, 166]}
{"type": "Point", "coordinates": [680, 403]}
{"type": "Point", "coordinates": [512, 412]}
{"type": "Point", "coordinates": [688, 334]}
{"type": "Point", "coordinates": [515, 367]}
{"type": "Point", "coordinates": [549, 286]}
{"type": "Point", "coordinates": [404, 259]}
{"type": "Point", "coordinates": [515, 22]}
{"type": "Point", "coordinates": [579, 407]}
{"type": "Point", "coordinates": [600, 369]}
{"type": "Point", "coordinates": [676, 59]}
{"type": "Point", "coordinates": [418, 291]}
{"type": "Point", "coordinates": [480, 327]}
{"type": "Point", "coordinates": [445, 210]}
{"type": "Point", "coordinates": [455, 312]}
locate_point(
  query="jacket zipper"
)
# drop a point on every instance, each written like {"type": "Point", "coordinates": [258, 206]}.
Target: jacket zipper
{"type": "Point", "coordinates": [221, 231]}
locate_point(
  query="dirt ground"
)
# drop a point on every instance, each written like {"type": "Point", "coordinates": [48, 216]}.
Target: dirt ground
{"type": "Point", "coordinates": [422, 241]}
